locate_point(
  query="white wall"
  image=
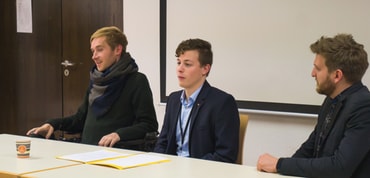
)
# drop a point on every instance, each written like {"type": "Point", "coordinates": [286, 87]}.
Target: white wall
{"type": "Point", "coordinates": [265, 38]}
{"type": "Point", "coordinates": [274, 133]}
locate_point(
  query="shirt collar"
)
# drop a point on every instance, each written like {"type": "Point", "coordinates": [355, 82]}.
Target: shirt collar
{"type": "Point", "coordinates": [192, 98]}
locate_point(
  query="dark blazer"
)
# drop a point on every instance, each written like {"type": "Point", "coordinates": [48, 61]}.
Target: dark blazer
{"type": "Point", "coordinates": [345, 148]}
{"type": "Point", "coordinates": [214, 126]}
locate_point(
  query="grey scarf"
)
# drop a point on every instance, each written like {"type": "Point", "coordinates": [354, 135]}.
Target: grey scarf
{"type": "Point", "coordinates": [106, 86]}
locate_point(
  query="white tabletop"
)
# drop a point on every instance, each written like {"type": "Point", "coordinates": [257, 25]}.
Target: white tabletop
{"type": "Point", "coordinates": [178, 167]}
{"type": "Point", "coordinates": [43, 163]}
{"type": "Point", "coordinates": [42, 155]}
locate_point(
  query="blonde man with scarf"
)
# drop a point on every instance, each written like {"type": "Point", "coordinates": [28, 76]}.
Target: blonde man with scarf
{"type": "Point", "coordinates": [118, 105]}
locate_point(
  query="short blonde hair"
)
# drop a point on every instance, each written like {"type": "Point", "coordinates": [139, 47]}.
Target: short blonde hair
{"type": "Point", "coordinates": [113, 36]}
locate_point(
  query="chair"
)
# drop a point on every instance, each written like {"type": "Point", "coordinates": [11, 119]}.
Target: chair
{"type": "Point", "coordinates": [146, 144]}
{"type": "Point", "coordinates": [242, 130]}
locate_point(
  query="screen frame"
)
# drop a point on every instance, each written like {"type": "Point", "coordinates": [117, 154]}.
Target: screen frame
{"type": "Point", "coordinates": [242, 104]}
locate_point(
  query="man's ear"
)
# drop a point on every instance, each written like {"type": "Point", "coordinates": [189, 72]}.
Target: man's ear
{"type": "Point", "coordinates": [206, 69]}
{"type": "Point", "coordinates": [338, 75]}
{"type": "Point", "coordinates": [118, 49]}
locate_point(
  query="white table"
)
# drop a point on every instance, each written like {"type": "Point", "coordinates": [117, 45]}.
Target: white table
{"type": "Point", "coordinates": [178, 167]}
{"type": "Point", "coordinates": [43, 163]}
{"type": "Point", "coordinates": [42, 157]}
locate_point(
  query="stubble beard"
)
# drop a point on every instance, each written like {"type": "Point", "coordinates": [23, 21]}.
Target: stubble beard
{"type": "Point", "coordinates": [326, 88]}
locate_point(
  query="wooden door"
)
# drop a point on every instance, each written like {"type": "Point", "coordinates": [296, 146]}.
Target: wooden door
{"type": "Point", "coordinates": [30, 75]}
{"type": "Point", "coordinates": [33, 86]}
{"type": "Point", "coordinates": [80, 19]}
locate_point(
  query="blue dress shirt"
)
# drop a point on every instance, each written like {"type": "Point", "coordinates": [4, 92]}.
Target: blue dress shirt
{"type": "Point", "coordinates": [182, 130]}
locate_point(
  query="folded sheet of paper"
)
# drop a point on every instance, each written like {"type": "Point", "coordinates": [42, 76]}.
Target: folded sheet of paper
{"type": "Point", "coordinates": [93, 156]}
{"type": "Point", "coordinates": [115, 159]}
{"type": "Point", "coordinates": [131, 161]}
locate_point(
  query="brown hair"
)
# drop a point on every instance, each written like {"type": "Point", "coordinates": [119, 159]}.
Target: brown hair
{"type": "Point", "coordinates": [203, 47]}
{"type": "Point", "coordinates": [344, 53]}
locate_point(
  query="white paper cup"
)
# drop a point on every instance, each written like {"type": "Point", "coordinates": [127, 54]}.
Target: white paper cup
{"type": "Point", "coordinates": [23, 148]}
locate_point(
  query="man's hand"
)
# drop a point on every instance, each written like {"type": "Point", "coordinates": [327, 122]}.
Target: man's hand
{"type": "Point", "coordinates": [267, 163]}
{"type": "Point", "coordinates": [45, 130]}
{"type": "Point", "coordinates": [109, 140]}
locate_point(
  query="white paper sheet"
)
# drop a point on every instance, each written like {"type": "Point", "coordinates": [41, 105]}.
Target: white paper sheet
{"type": "Point", "coordinates": [132, 161]}
{"type": "Point", "coordinates": [24, 16]}
{"type": "Point", "coordinates": [93, 156]}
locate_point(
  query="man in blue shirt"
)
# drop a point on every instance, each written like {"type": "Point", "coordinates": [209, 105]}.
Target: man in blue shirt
{"type": "Point", "coordinates": [201, 121]}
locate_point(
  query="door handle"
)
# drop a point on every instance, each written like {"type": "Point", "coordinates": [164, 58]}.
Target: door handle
{"type": "Point", "coordinates": [67, 63]}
